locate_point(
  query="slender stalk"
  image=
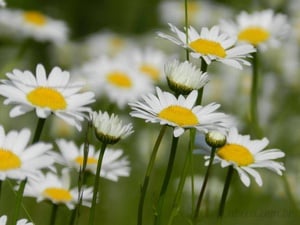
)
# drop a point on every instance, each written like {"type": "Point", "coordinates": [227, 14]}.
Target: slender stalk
{"type": "Point", "coordinates": [289, 192]}
{"type": "Point", "coordinates": [186, 167]}
{"type": "Point", "coordinates": [53, 214]}
{"type": "Point", "coordinates": [18, 201]}
{"type": "Point", "coordinates": [205, 180]}
{"type": "Point", "coordinates": [167, 177]}
{"type": "Point", "coordinates": [38, 130]}
{"type": "Point", "coordinates": [96, 185]}
{"type": "Point", "coordinates": [0, 188]}
{"type": "Point", "coordinates": [144, 187]}
{"type": "Point", "coordinates": [186, 28]}
{"type": "Point", "coordinates": [225, 191]}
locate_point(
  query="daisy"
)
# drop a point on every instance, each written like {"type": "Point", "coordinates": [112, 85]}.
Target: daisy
{"type": "Point", "coordinates": [17, 159]}
{"type": "Point", "coordinates": [3, 221]}
{"type": "Point", "coordinates": [2, 3]}
{"type": "Point", "coordinates": [114, 164]}
{"type": "Point", "coordinates": [109, 128]}
{"type": "Point", "coordinates": [117, 79]}
{"type": "Point", "coordinates": [211, 45]}
{"type": "Point", "coordinates": [184, 77]}
{"type": "Point", "coordinates": [261, 28]}
{"type": "Point", "coordinates": [180, 113]}
{"type": "Point", "coordinates": [56, 189]}
{"type": "Point", "coordinates": [53, 94]}
{"type": "Point", "coordinates": [245, 155]}
{"type": "Point", "coordinates": [33, 24]}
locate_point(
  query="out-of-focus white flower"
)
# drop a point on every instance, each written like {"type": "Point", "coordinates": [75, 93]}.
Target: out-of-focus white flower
{"type": "Point", "coordinates": [3, 221]}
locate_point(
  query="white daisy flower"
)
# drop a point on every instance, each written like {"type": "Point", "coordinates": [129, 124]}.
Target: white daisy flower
{"type": "Point", "coordinates": [184, 77]}
{"type": "Point", "coordinates": [2, 3]}
{"type": "Point", "coordinates": [181, 112]}
{"type": "Point", "coordinates": [57, 189]}
{"type": "Point", "coordinates": [109, 128]}
{"type": "Point", "coordinates": [33, 24]}
{"type": "Point", "coordinates": [211, 45]}
{"type": "Point", "coordinates": [53, 94]}
{"type": "Point", "coordinates": [246, 155]}
{"type": "Point", "coordinates": [114, 164]}
{"type": "Point", "coordinates": [118, 79]}
{"type": "Point", "coordinates": [261, 28]}
{"type": "Point", "coordinates": [17, 159]}
{"type": "Point", "coordinates": [3, 221]}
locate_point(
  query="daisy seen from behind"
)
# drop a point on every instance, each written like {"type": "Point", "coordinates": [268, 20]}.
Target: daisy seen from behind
{"type": "Point", "coordinates": [262, 29]}
{"type": "Point", "coordinates": [246, 155]}
{"type": "Point", "coordinates": [114, 163]}
{"type": "Point", "coordinates": [57, 189]}
{"type": "Point", "coordinates": [211, 45]}
{"type": "Point", "coordinates": [3, 221]}
{"type": "Point", "coordinates": [18, 160]}
{"type": "Point", "coordinates": [181, 113]}
{"type": "Point", "coordinates": [53, 94]}
{"type": "Point", "coordinates": [33, 24]}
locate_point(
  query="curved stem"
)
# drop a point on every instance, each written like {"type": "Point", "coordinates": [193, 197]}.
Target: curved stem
{"type": "Point", "coordinates": [53, 214]}
{"type": "Point", "coordinates": [18, 201]}
{"type": "Point", "coordinates": [203, 187]}
{"type": "Point", "coordinates": [225, 191]}
{"type": "Point", "coordinates": [96, 184]}
{"type": "Point", "coordinates": [144, 187]}
{"type": "Point", "coordinates": [166, 180]}
{"type": "Point", "coordinates": [186, 167]}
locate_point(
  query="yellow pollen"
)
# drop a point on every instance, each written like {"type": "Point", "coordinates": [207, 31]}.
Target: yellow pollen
{"type": "Point", "coordinates": [90, 160]}
{"type": "Point", "coordinates": [179, 115]}
{"type": "Point", "coordinates": [254, 35]}
{"type": "Point", "coordinates": [47, 98]}
{"type": "Point", "coordinates": [58, 194]}
{"type": "Point", "coordinates": [35, 18]}
{"type": "Point", "coordinates": [207, 47]}
{"type": "Point", "coordinates": [151, 71]}
{"type": "Point", "coordinates": [237, 154]}
{"type": "Point", "coordinates": [116, 42]}
{"type": "Point", "coordinates": [8, 160]}
{"type": "Point", "coordinates": [119, 79]}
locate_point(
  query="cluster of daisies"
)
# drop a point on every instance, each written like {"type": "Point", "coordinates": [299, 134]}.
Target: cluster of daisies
{"type": "Point", "coordinates": [122, 75]}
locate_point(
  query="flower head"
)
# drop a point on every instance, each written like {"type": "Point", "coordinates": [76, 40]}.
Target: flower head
{"type": "Point", "coordinates": [3, 221]}
{"type": "Point", "coordinates": [53, 94]}
{"type": "Point", "coordinates": [33, 24]}
{"type": "Point", "coordinates": [109, 129]}
{"type": "Point", "coordinates": [260, 28]}
{"type": "Point", "coordinates": [57, 189]}
{"type": "Point", "coordinates": [245, 155]}
{"type": "Point", "coordinates": [180, 112]}
{"type": "Point", "coordinates": [184, 77]}
{"type": "Point", "coordinates": [211, 45]}
{"type": "Point", "coordinates": [2, 3]}
{"type": "Point", "coordinates": [114, 164]}
{"type": "Point", "coordinates": [17, 159]}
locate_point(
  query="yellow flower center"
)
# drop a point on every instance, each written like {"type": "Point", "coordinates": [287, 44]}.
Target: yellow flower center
{"type": "Point", "coordinates": [90, 160]}
{"type": "Point", "coordinates": [35, 18]}
{"type": "Point", "coordinates": [58, 194]}
{"type": "Point", "coordinates": [236, 153]}
{"type": "Point", "coordinates": [48, 98]}
{"type": "Point", "coordinates": [179, 115]}
{"type": "Point", "coordinates": [254, 35]}
{"type": "Point", "coordinates": [207, 47]}
{"type": "Point", "coordinates": [151, 71]}
{"type": "Point", "coordinates": [8, 160]}
{"type": "Point", "coordinates": [116, 42]}
{"type": "Point", "coordinates": [119, 79]}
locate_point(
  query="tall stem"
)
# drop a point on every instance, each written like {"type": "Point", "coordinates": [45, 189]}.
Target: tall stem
{"type": "Point", "coordinates": [225, 191]}
{"type": "Point", "coordinates": [38, 130]}
{"type": "Point", "coordinates": [96, 185]}
{"type": "Point", "coordinates": [18, 201]}
{"type": "Point", "coordinates": [166, 180]}
{"type": "Point", "coordinates": [186, 19]}
{"type": "Point", "coordinates": [144, 187]}
{"type": "Point", "coordinates": [203, 187]}
{"type": "Point", "coordinates": [53, 214]}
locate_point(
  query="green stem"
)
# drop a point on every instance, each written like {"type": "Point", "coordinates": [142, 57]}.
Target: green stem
{"type": "Point", "coordinates": [205, 180]}
{"type": "Point", "coordinates": [225, 191]}
{"type": "Point", "coordinates": [18, 201]}
{"type": "Point", "coordinates": [166, 180]}
{"type": "Point", "coordinates": [96, 185]}
{"type": "Point", "coordinates": [186, 167]}
{"type": "Point", "coordinates": [148, 173]}
{"type": "Point", "coordinates": [38, 130]}
{"type": "Point", "coordinates": [186, 19]}
{"type": "Point", "coordinates": [53, 214]}
{"type": "Point", "coordinates": [289, 193]}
